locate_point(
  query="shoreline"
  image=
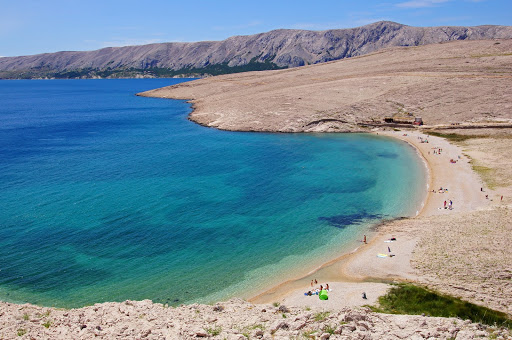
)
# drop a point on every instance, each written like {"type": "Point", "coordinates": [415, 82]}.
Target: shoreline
{"type": "Point", "coordinates": [283, 289]}
{"type": "Point", "coordinates": [342, 272]}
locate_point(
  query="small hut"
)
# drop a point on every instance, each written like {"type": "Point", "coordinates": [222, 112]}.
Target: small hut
{"type": "Point", "coordinates": [418, 121]}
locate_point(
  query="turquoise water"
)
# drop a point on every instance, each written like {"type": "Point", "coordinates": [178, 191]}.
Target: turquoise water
{"type": "Point", "coordinates": [105, 196]}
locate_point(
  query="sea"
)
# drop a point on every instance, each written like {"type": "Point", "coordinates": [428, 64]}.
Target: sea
{"type": "Point", "coordinates": [107, 196]}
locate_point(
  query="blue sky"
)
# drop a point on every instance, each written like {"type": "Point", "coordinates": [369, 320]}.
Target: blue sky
{"type": "Point", "coordinates": [37, 26]}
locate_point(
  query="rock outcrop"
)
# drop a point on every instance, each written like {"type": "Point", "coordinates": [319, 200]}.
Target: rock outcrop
{"type": "Point", "coordinates": [275, 49]}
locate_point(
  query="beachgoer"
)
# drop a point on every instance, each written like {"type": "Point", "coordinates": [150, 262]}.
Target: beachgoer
{"type": "Point", "coordinates": [502, 197]}
{"type": "Point", "coordinates": [445, 204]}
{"type": "Point", "coordinates": [316, 282]}
{"type": "Point", "coordinates": [364, 239]}
{"type": "Point", "coordinates": [364, 295]}
{"type": "Point", "coordinates": [389, 250]}
{"type": "Point", "coordinates": [321, 287]}
{"type": "Point", "coordinates": [309, 293]}
{"type": "Point", "coordinates": [481, 189]}
{"type": "Point", "coordinates": [311, 283]}
{"type": "Point", "coordinates": [486, 197]}
{"type": "Point", "coordinates": [326, 286]}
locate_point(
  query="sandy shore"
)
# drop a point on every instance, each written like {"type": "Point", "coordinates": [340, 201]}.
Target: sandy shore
{"type": "Point", "coordinates": [362, 271]}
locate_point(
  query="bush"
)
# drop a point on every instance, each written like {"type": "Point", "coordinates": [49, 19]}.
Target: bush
{"type": "Point", "coordinates": [321, 316]}
{"type": "Point", "coordinates": [410, 299]}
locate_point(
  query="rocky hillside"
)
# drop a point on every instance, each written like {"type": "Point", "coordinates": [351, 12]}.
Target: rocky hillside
{"type": "Point", "coordinates": [450, 83]}
{"type": "Point", "coordinates": [271, 50]}
{"type": "Point", "coordinates": [235, 319]}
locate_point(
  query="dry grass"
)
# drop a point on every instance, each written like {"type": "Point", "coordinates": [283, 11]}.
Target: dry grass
{"type": "Point", "coordinates": [468, 255]}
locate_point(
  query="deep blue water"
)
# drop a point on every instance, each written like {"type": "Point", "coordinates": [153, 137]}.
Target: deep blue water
{"type": "Point", "coordinates": [105, 196]}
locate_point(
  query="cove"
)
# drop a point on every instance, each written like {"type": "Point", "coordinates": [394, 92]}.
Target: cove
{"type": "Point", "coordinates": [106, 196]}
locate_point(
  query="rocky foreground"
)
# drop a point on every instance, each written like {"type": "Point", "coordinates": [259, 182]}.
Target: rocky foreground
{"type": "Point", "coordinates": [235, 319]}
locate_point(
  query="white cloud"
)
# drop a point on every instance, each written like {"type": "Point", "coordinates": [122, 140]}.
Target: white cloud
{"type": "Point", "coordinates": [420, 3]}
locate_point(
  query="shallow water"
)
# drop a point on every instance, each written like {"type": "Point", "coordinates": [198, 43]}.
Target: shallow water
{"type": "Point", "coordinates": [106, 196]}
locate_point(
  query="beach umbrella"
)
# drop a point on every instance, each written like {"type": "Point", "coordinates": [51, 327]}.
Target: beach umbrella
{"type": "Point", "coordinates": [323, 295]}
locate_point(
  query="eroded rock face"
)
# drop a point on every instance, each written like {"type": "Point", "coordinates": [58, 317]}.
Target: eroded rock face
{"type": "Point", "coordinates": [283, 48]}
{"type": "Point", "coordinates": [236, 320]}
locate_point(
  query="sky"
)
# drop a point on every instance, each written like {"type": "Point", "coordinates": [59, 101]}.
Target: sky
{"type": "Point", "coordinates": [40, 26]}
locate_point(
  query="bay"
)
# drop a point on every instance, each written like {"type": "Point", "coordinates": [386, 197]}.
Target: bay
{"type": "Point", "coordinates": [105, 196]}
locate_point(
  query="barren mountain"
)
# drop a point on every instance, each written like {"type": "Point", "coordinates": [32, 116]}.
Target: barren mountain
{"type": "Point", "coordinates": [275, 49]}
{"type": "Point", "coordinates": [448, 83]}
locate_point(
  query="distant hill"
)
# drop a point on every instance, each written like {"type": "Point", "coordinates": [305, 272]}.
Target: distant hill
{"type": "Point", "coordinates": [276, 49]}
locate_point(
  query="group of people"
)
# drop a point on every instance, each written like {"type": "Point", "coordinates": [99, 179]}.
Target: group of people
{"type": "Point", "coordinates": [441, 190]}
{"type": "Point", "coordinates": [316, 291]}
{"type": "Point", "coordinates": [450, 204]}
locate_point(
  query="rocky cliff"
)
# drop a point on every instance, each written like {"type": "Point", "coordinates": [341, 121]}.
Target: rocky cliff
{"type": "Point", "coordinates": [275, 49]}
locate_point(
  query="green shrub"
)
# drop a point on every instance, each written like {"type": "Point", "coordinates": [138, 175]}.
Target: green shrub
{"type": "Point", "coordinates": [454, 137]}
{"type": "Point", "coordinates": [214, 331]}
{"type": "Point", "coordinates": [329, 329]}
{"type": "Point", "coordinates": [321, 316]}
{"type": "Point", "coordinates": [410, 299]}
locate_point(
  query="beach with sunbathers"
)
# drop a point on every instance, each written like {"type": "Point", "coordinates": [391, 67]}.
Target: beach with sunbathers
{"type": "Point", "coordinates": [387, 256]}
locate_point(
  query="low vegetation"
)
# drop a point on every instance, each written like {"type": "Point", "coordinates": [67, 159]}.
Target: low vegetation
{"type": "Point", "coordinates": [486, 173]}
{"type": "Point", "coordinates": [454, 137]}
{"type": "Point", "coordinates": [214, 330]}
{"type": "Point", "coordinates": [414, 300]}
{"type": "Point", "coordinates": [321, 316]}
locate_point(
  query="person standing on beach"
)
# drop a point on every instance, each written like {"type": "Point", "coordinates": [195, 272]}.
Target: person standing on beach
{"type": "Point", "coordinates": [364, 239]}
{"type": "Point", "coordinates": [445, 204]}
{"type": "Point", "coordinates": [451, 203]}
